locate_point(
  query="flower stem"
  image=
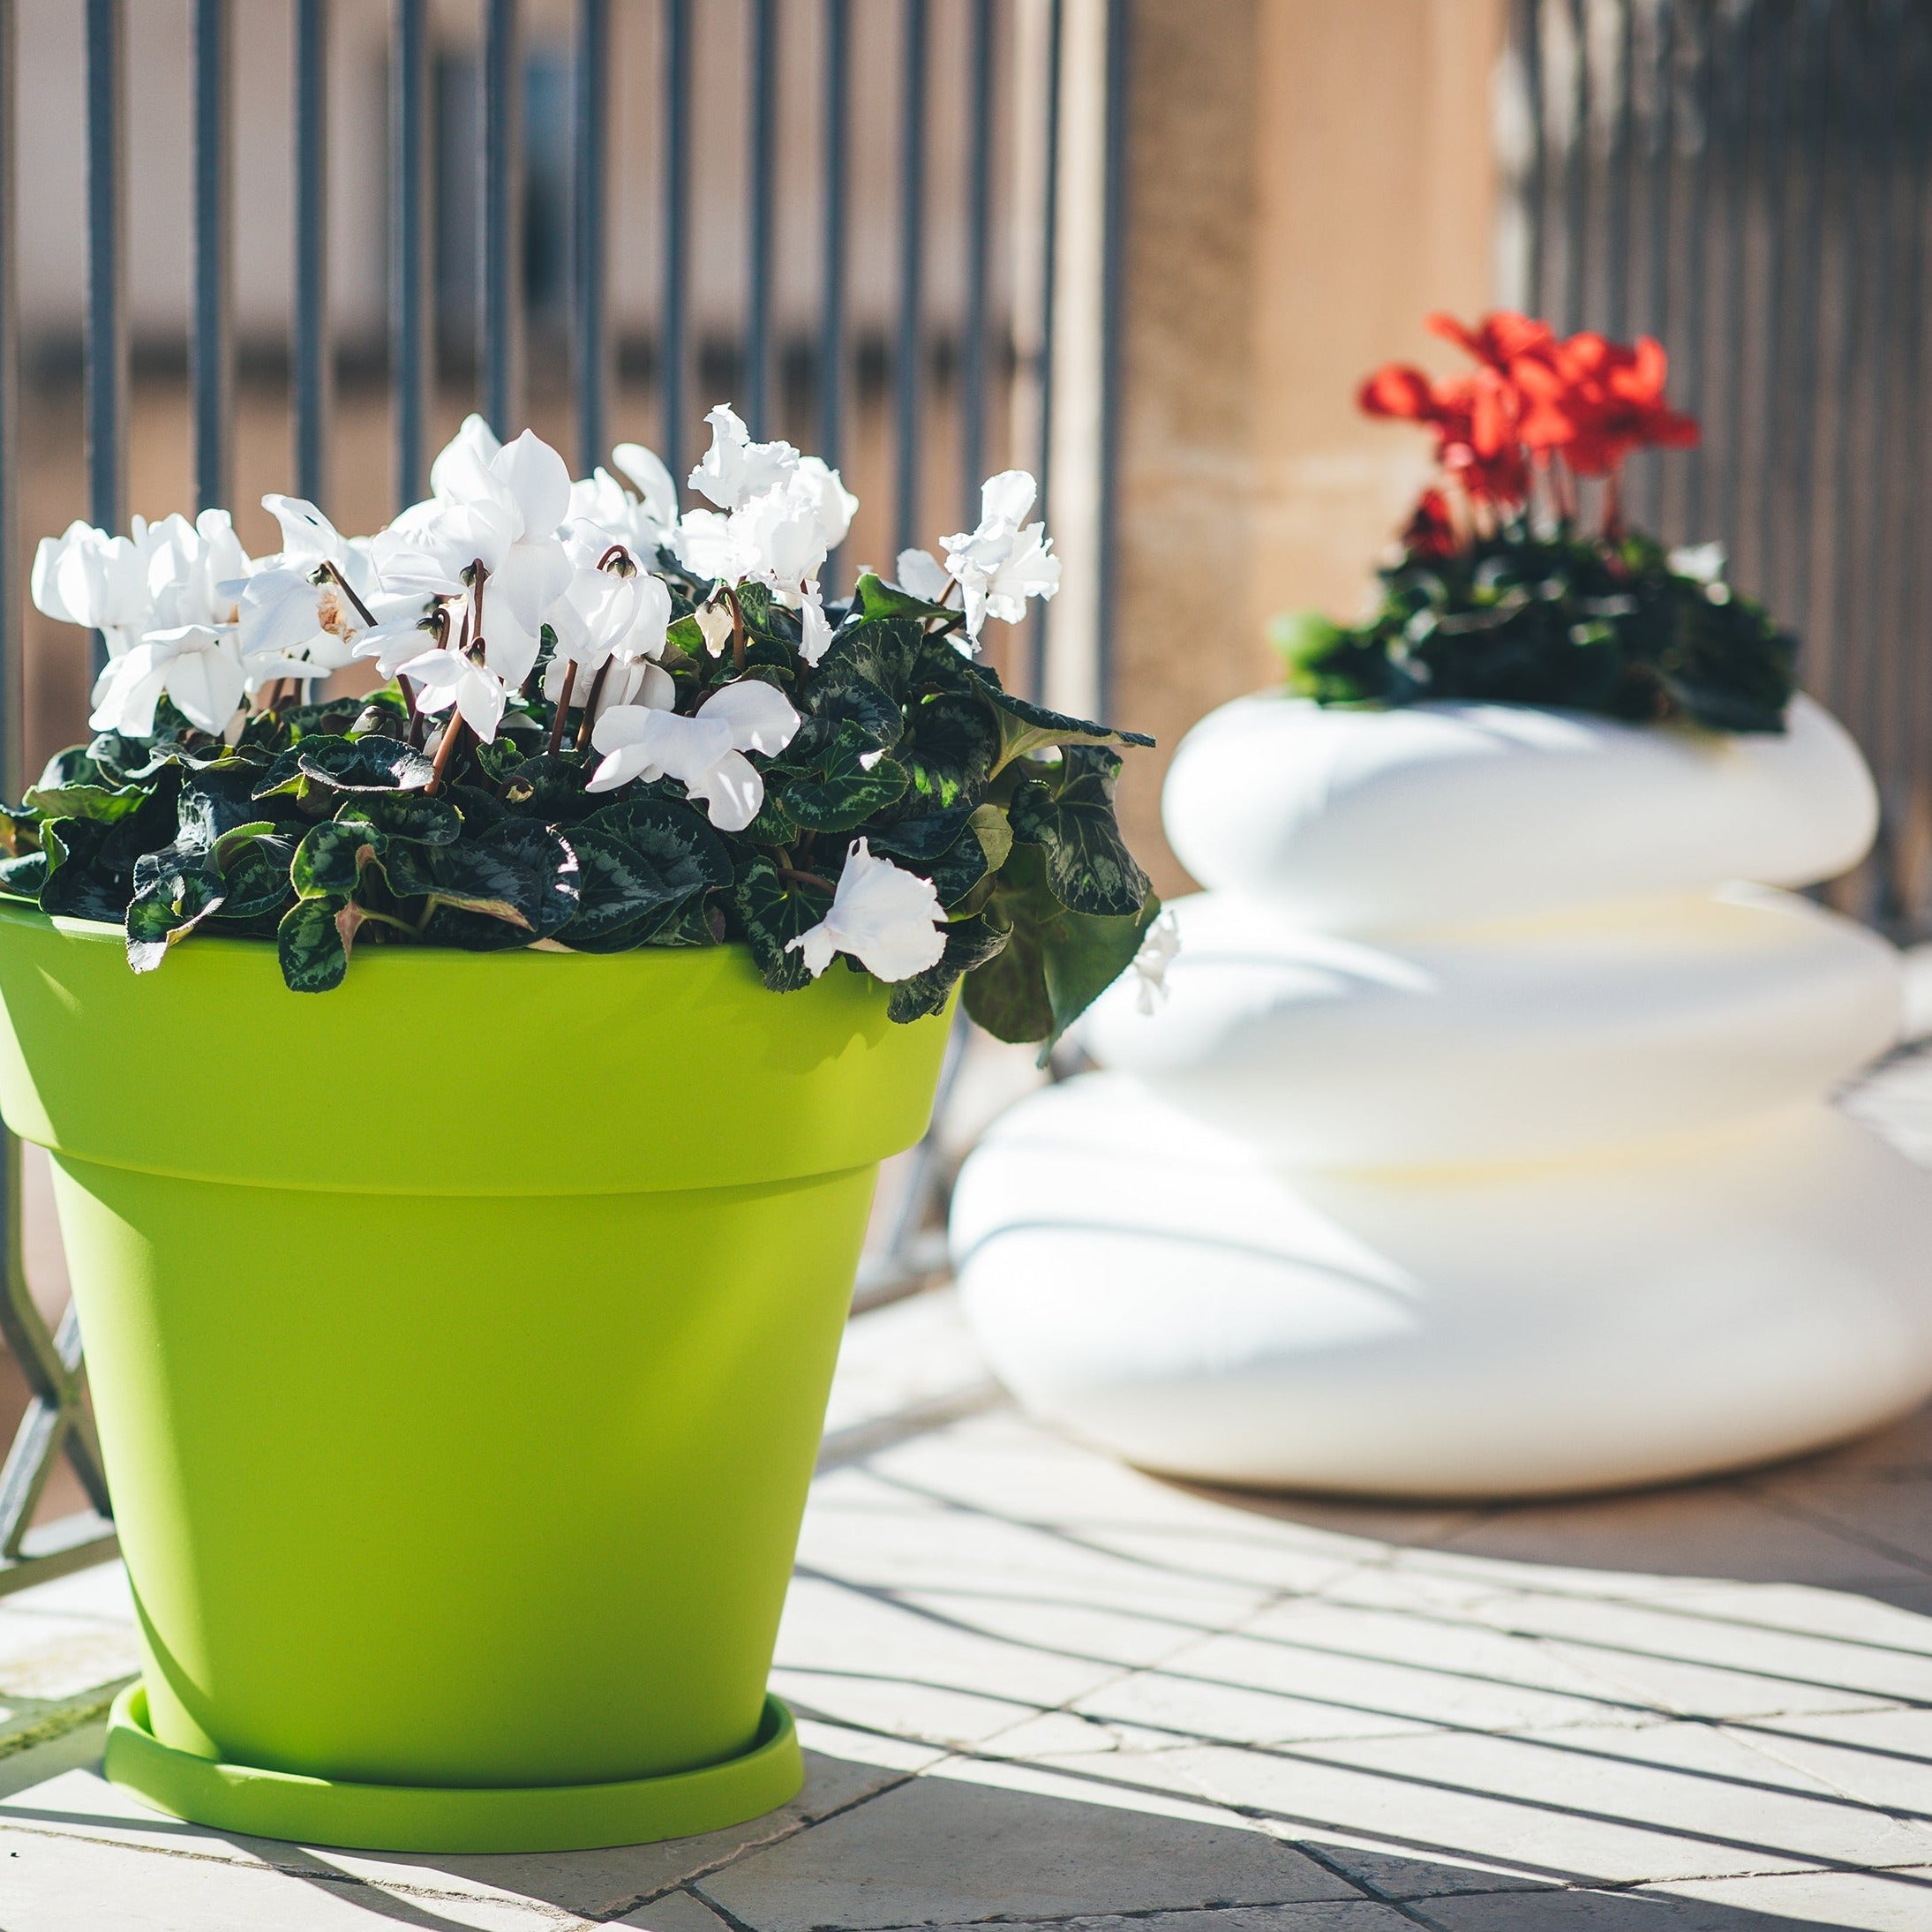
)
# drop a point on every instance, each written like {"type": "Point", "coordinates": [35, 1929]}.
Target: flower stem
{"type": "Point", "coordinates": [737, 630]}
{"type": "Point", "coordinates": [342, 584]}
{"type": "Point", "coordinates": [563, 705]}
{"type": "Point", "coordinates": [804, 879]}
{"type": "Point", "coordinates": [589, 707]}
{"type": "Point", "coordinates": [445, 752]}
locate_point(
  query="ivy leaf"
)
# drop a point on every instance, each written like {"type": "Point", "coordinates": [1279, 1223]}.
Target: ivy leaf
{"type": "Point", "coordinates": [849, 782]}
{"type": "Point", "coordinates": [951, 750]}
{"type": "Point", "coordinates": [167, 910]}
{"type": "Point", "coordinates": [313, 945]}
{"type": "Point", "coordinates": [404, 815]}
{"type": "Point", "coordinates": [680, 843]}
{"type": "Point", "coordinates": [773, 910]}
{"type": "Point", "coordinates": [971, 943]}
{"type": "Point", "coordinates": [1087, 864]}
{"type": "Point", "coordinates": [1025, 728]}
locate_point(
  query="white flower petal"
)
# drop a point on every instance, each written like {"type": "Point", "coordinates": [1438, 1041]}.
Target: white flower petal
{"type": "Point", "coordinates": [645, 467]}
{"type": "Point", "coordinates": [537, 480]}
{"type": "Point", "coordinates": [760, 717]}
{"type": "Point", "coordinates": [921, 574]}
{"type": "Point", "coordinates": [731, 789]}
{"type": "Point", "coordinates": [889, 919]}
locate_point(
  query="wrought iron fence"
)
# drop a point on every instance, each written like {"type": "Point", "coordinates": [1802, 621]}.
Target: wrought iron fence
{"type": "Point", "coordinates": [1748, 181]}
{"type": "Point", "coordinates": [499, 167]}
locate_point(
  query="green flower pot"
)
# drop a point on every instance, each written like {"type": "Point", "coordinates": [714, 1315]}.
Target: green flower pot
{"type": "Point", "coordinates": [460, 1342]}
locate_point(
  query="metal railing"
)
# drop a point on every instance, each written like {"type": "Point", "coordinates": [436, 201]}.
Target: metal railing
{"type": "Point", "coordinates": [1748, 181]}
{"type": "Point", "coordinates": [954, 366]}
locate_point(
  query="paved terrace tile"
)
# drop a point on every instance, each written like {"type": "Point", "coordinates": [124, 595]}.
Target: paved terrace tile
{"type": "Point", "coordinates": [1038, 1690]}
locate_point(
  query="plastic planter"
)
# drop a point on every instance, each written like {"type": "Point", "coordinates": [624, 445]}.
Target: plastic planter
{"type": "Point", "coordinates": [460, 1342]}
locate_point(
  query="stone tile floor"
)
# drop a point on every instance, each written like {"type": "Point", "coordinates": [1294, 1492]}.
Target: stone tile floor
{"type": "Point", "coordinates": [1038, 1688]}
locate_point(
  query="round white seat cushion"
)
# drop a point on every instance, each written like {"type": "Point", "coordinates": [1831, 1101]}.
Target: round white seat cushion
{"type": "Point", "coordinates": [1368, 821]}
{"type": "Point", "coordinates": [1513, 1041]}
{"type": "Point", "coordinates": [1160, 1288]}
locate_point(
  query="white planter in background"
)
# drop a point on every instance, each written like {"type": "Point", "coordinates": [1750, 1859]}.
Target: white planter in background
{"type": "Point", "coordinates": [1481, 1146]}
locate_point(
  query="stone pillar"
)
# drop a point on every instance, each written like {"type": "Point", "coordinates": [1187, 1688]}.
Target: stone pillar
{"type": "Point", "coordinates": [1301, 182]}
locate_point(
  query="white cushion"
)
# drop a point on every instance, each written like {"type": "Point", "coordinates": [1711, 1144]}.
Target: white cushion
{"type": "Point", "coordinates": [1371, 821]}
{"type": "Point", "coordinates": [1588, 1029]}
{"type": "Point", "coordinates": [1160, 1288]}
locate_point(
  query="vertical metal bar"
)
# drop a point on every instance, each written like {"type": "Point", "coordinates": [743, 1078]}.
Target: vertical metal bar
{"type": "Point", "coordinates": [499, 251]}
{"type": "Point", "coordinates": [1034, 684]}
{"type": "Point", "coordinates": [411, 339]}
{"type": "Point", "coordinates": [1772, 176]}
{"type": "Point", "coordinates": [1882, 35]}
{"type": "Point", "coordinates": [105, 330]}
{"type": "Point", "coordinates": [1731, 329]}
{"type": "Point", "coordinates": [1661, 136]}
{"type": "Point", "coordinates": [1576, 168]}
{"type": "Point", "coordinates": [677, 136]}
{"type": "Point", "coordinates": [1617, 210]}
{"type": "Point", "coordinates": [309, 329]}
{"type": "Point", "coordinates": [907, 342]}
{"type": "Point", "coordinates": [764, 117]}
{"type": "Point", "coordinates": [590, 198]}
{"type": "Point", "coordinates": [1800, 517]}
{"type": "Point", "coordinates": [832, 304]}
{"type": "Point", "coordinates": [979, 222]}
{"type": "Point", "coordinates": [1113, 267]}
{"type": "Point", "coordinates": [209, 366]}
{"type": "Point", "coordinates": [1696, 229]}
{"type": "Point", "coordinates": [1529, 40]}
{"type": "Point", "coordinates": [1849, 120]}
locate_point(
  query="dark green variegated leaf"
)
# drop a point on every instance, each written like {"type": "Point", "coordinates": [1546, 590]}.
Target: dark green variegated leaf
{"type": "Point", "coordinates": [215, 800]}
{"type": "Point", "coordinates": [1056, 964]}
{"type": "Point", "coordinates": [887, 655]}
{"type": "Point", "coordinates": [404, 815]}
{"type": "Point", "coordinates": [78, 886]}
{"type": "Point", "coordinates": [167, 910]}
{"type": "Point", "coordinates": [255, 876]}
{"type": "Point", "coordinates": [24, 876]}
{"type": "Point", "coordinates": [313, 945]}
{"type": "Point", "coordinates": [347, 765]}
{"type": "Point", "coordinates": [77, 765]}
{"type": "Point", "coordinates": [519, 872]}
{"type": "Point", "coordinates": [329, 861]}
{"type": "Point", "coordinates": [95, 801]}
{"type": "Point", "coordinates": [1087, 864]}
{"type": "Point", "coordinates": [950, 749]}
{"type": "Point", "coordinates": [616, 887]}
{"type": "Point", "coordinates": [236, 840]}
{"type": "Point", "coordinates": [954, 847]}
{"type": "Point", "coordinates": [774, 910]}
{"type": "Point", "coordinates": [479, 807]}
{"type": "Point", "coordinates": [1008, 995]}
{"type": "Point", "coordinates": [773, 825]}
{"type": "Point", "coordinates": [695, 922]}
{"type": "Point", "coordinates": [1025, 728]}
{"type": "Point", "coordinates": [970, 945]}
{"type": "Point", "coordinates": [847, 782]}
{"type": "Point", "coordinates": [874, 598]}
{"type": "Point", "coordinates": [499, 758]}
{"type": "Point", "coordinates": [674, 837]}
{"type": "Point", "coordinates": [857, 701]}
{"type": "Point", "coordinates": [549, 787]}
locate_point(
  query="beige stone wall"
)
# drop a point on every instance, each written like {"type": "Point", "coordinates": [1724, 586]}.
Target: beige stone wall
{"type": "Point", "coordinates": [1306, 180]}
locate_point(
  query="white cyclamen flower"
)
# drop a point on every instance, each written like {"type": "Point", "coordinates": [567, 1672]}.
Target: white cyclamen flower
{"type": "Point", "coordinates": [704, 753]}
{"type": "Point", "coordinates": [1158, 946]}
{"type": "Point", "coordinates": [289, 604]}
{"type": "Point", "coordinates": [921, 574]}
{"type": "Point", "coordinates": [642, 523]}
{"type": "Point", "coordinates": [1006, 559]}
{"type": "Point", "coordinates": [498, 506]}
{"type": "Point", "coordinates": [614, 618]}
{"type": "Point", "coordinates": [87, 577]}
{"type": "Point", "coordinates": [734, 467]}
{"type": "Point", "coordinates": [190, 649]}
{"type": "Point", "coordinates": [888, 919]}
